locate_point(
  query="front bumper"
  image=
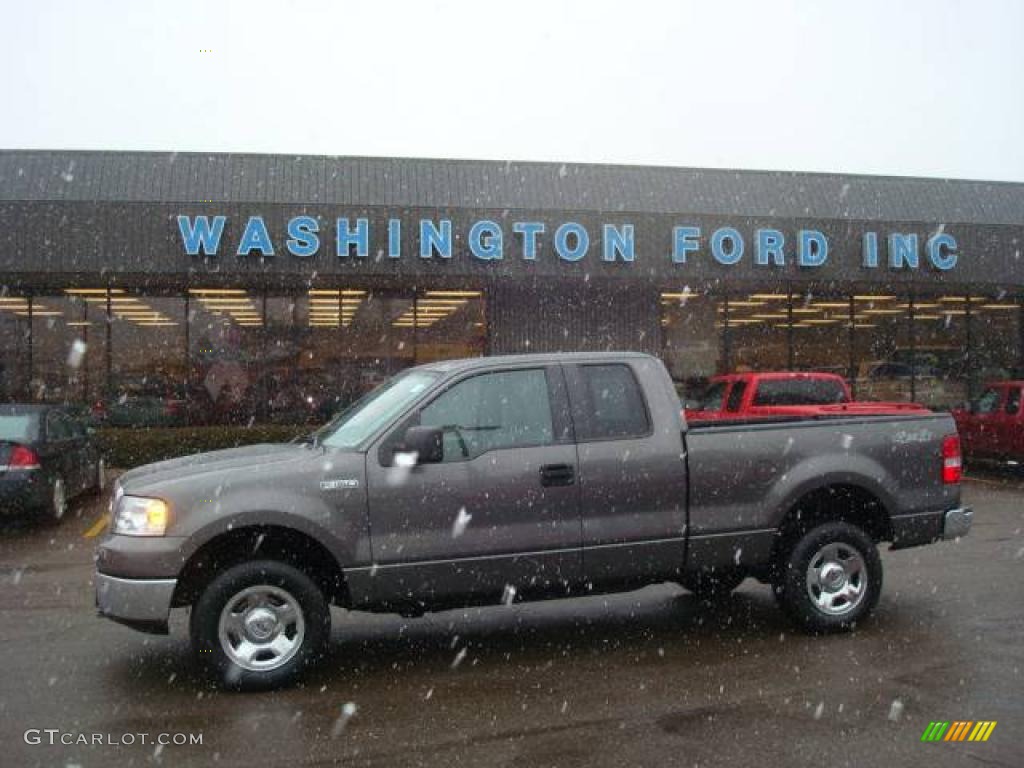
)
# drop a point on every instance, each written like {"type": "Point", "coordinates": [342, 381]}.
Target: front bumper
{"type": "Point", "coordinates": [143, 604]}
{"type": "Point", "coordinates": [929, 527]}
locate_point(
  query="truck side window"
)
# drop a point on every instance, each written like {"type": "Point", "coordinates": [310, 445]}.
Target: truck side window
{"type": "Point", "coordinates": [509, 409]}
{"type": "Point", "coordinates": [56, 427]}
{"type": "Point", "coordinates": [988, 402]}
{"type": "Point", "coordinates": [1013, 400]}
{"type": "Point", "coordinates": [614, 406]}
{"type": "Point", "coordinates": [736, 396]}
{"type": "Point", "coordinates": [711, 400]}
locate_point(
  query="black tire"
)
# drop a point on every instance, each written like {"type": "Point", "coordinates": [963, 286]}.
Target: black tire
{"type": "Point", "coordinates": [277, 579]}
{"type": "Point", "coordinates": [712, 585]}
{"type": "Point", "coordinates": [846, 599]}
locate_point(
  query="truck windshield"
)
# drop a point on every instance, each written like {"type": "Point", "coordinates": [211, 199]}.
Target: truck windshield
{"type": "Point", "coordinates": [373, 410]}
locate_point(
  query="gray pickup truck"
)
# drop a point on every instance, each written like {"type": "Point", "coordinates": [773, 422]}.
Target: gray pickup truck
{"type": "Point", "coordinates": [527, 477]}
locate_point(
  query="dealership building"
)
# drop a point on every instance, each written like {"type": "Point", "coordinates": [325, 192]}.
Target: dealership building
{"type": "Point", "coordinates": [276, 287]}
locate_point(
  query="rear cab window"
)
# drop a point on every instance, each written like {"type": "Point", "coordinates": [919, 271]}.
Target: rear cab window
{"type": "Point", "coordinates": [608, 403]}
{"type": "Point", "coordinates": [988, 402]}
{"type": "Point", "coordinates": [799, 392]}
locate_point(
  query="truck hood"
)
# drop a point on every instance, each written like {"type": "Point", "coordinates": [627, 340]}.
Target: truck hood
{"type": "Point", "coordinates": [222, 462]}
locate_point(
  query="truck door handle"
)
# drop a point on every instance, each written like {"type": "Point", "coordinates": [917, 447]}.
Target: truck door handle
{"type": "Point", "coordinates": [557, 474]}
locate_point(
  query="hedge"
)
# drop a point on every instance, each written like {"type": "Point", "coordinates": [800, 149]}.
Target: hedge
{"type": "Point", "coordinates": [127, 448]}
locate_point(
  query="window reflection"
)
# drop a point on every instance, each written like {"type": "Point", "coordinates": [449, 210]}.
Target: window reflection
{"type": "Point", "coordinates": [758, 326]}
{"type": "Point", "coordinates": [882, 341]}
{"type": "Point", "coordinates": [939, 355]}
{"type": "Point", "coordinates": [821, 332]}
{"type": "Point", "coordinates": [147, 380]}
{"type": "Point", "coordinates": [225, 353]}
{"type": "Point", "coordinates": [15, 340]}
{"type": "Point", "coordinates": [691, 339]}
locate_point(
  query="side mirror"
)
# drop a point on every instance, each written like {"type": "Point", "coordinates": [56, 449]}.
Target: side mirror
{"type": "Point", "coordinates": [426, 442]}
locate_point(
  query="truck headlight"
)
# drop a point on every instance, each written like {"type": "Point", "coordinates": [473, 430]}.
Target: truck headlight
{"type": "Point", "coordinates": [139, 516]}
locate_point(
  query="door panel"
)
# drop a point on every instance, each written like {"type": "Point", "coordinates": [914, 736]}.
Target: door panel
{"type": "Point", "coordinates": [632, 476]}
{"type": "Point", "coordinates": [981, 433]}
{"type": "Point", "coordinates": [1010, 435]}
{"type": "Point", "coordinates": [487, 515]}
{"type": "Point", "coordinates": [60, 451]}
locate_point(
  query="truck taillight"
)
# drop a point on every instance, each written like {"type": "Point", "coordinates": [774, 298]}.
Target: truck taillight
{"type": "Point", "coordinates": [952, 462]}
{"type": "Point", "coordinates": [23, 458]}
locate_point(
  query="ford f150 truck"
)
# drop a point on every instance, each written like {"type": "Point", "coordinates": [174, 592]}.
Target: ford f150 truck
{"type": "Point", "coordinates": [783, 393]}
{"type": "Point", "coordinates": [535, 476]}
{"type": "Point", "coordinates": [992, 427]}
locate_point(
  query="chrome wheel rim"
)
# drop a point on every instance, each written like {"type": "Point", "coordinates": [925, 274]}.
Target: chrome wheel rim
{"type": "Point", "coordinates": [837, 579]}
{"type": "Point", "coordinates": [60, 502]}
{"type": "Point", "coordinates": [261, 628]}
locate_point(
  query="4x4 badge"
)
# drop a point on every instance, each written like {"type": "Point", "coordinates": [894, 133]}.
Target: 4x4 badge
{"type": "Point", "coordinates": [333, 485]}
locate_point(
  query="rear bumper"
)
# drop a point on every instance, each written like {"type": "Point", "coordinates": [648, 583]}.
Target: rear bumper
{"type": "Point", "coordinates": [143, 604]}
{"type": "Point", "coordinates": [22, 490]}
{"type": "Point", "coordinates": [929, 527]}
{"type": "Point", "coordinates": [957, 522]}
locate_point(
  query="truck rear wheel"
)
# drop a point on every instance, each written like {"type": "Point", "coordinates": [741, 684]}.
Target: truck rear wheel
{"type": "Point", "coordinates": [830, 579]}
{"type": "Point", "coordinates": [260, 625]}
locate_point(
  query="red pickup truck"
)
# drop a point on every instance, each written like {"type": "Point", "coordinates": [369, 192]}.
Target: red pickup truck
{"type": "Point", "coordinates": [783, 393]}
{"type": "Point", "coordinates": [993, 426]}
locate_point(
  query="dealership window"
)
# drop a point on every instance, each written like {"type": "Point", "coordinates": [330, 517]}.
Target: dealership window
{"type": "Point", "coordinates": [61, 354]}
{"type": "Point", "coordinates": [758, 330]}
{"type": "Point", "coordinates": [147, 380]}
{"type": "Point", "coordinates": [882, 344]}
{"type": "Point", "coordinates": [940, 352]}
{"type": "Point", "coordinates": [330, 345]}
{"type": "Point", "coordinates": [995, 351]}
{"type": "Point", "coordinates": [225, 355]}
{"type": "Point", "coordinates": [87, 314]}
{"type": "Point", "coordinates": [447, 323]}
{"type": "Point", "coordinates": [691, 330]}
{"type": "Point", "coordinates": [821, 332]}
{"type": "Point", "coordinates": [15, 346]}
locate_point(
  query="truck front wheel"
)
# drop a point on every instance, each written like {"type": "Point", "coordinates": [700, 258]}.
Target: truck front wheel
{"type": "Point", "coordinates": [830, 579]}
{"type": "Point", "coordinates": [259, 625]}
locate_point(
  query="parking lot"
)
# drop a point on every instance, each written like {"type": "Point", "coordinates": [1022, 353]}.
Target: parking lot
{"type": "Point", "coordinates": [644, 678]}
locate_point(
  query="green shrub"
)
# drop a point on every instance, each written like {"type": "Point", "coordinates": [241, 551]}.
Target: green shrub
{"type": "Point", "coordinates": [127, 448]}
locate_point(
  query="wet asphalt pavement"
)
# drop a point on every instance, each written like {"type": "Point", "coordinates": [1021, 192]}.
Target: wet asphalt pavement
{"type": "Point", "coordinates": [645, 678]}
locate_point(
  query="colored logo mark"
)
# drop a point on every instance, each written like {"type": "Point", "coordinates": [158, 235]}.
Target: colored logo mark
{"type": "Point", "coordinates": [959, 730]}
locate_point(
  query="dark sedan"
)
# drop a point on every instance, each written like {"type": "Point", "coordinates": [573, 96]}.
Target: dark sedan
{"type": "Point", "coordinates": [47, 456]}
